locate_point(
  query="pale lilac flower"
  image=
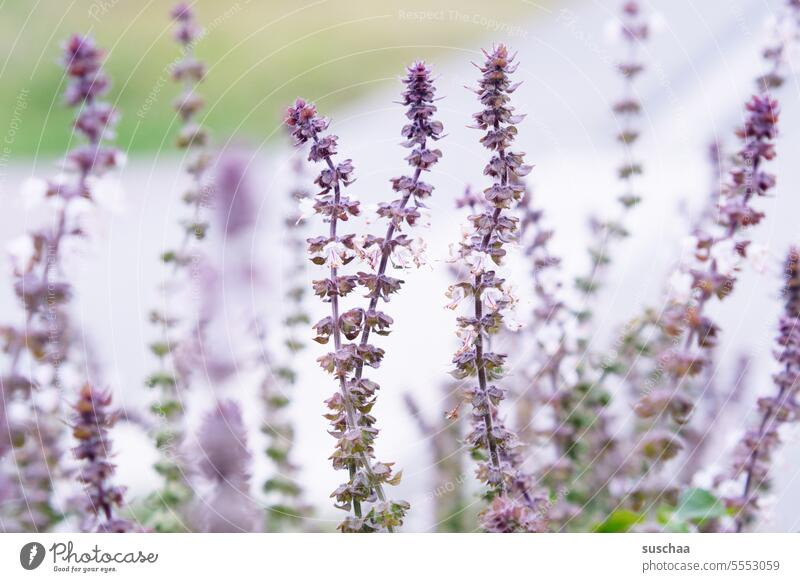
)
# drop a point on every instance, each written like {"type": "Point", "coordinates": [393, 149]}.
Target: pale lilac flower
{"type": "Point", "coordinates": [514, 504]}
{"type": "Point", "coordinates": [754, 454]}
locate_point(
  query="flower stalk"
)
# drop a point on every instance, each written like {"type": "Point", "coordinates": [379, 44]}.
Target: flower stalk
{"type": "Point", "coordinates": [178, 346]}
{"type": "Point", "coordinates": [753, 455]}
{"type": "Point", "coordinates": [40, 348]}
{"type": "Point", "coordinates": [513, 505]}
{"type": "Point", "coordinates": [287, 504]}
{"type": "Point", "coordinates": [353, 425]}
{"type": "Point", "coordinates": [92, 418]}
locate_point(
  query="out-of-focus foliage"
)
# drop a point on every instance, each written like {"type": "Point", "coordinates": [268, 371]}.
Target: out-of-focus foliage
{"type": "Point", "coordinates": [261, 55]}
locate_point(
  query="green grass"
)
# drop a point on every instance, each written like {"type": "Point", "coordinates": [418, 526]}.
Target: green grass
{"type": "Point", "coordinates": [261, 54]}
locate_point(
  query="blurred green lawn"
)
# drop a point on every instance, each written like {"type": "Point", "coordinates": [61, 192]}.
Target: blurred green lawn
{"type": "Point", "coordinates": [261, 54]}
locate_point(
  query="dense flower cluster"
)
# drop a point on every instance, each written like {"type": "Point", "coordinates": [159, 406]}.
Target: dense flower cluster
{"type": "Point", "coordinates": [514, 505]}
{"type": "Point", "coordinates": [353, 425]}
{"type": "Point", "coordinates": [39, 348]}
{"type": "Point", "coordinates": [178, 348]}
{"type": "Point", "coordinates": [666, 357]}
{"type": "Point", "coordinates": [576, 468]}
{"type": "Point", "coordinates": [710, 273]}
{"type": "Point", "coordinates": [91, 420]}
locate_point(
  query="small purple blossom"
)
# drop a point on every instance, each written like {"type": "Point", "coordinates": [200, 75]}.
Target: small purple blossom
{"type": "Point", "coordinates": [91, 420]}
{"type": "Point", "coordinates": [234, 192]}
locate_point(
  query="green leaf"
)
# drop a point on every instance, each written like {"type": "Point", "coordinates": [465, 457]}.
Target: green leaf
{"type": "Point", "coordinates": [282, 485]}
{"type": "Point", "coordinates": [699, 505]}
{"type": "Point", "coordinates": [164, 379]}
{"type": "Point", "coordinates": [160, 349]}
{"type": "Point", "coordinates": [620, 521]}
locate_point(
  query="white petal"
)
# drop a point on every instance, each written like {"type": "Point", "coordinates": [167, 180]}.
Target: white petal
{"type": "Point", "coordinates": [34, 191]}
{"type": "Point", "coordinates": [108, 193]}
{"type": "Point", "coordinates": [20, 252]}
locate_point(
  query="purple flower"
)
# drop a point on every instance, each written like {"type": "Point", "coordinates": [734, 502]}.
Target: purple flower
{"type": "Point", "coordinates": [91, 420]}
{"type": "Point", "coordinates": [352, 424]}
{"type": "Point", "coordinates": [234, 192]}
{"type": "Point", "coordinates": [186, 30]}
{"type": "Point", "coordinates": [43, 345]}
{"type": "Point", "coordinates": [777, 54]}
{"type": "Point", "coordinates": [496, 447]}
{"type": "Point", "coordinates": [686, 333]}
{"type": "Point", "coordinates": [715, 262]}
{"type": "Point", "coordinates": [753, 455]}
{"type": "Point", "coordinates": [225, 462]}
{"type": "Point", "coordinates": [83, 63]}
{"type": "Point", "coordinates": [223, 445]}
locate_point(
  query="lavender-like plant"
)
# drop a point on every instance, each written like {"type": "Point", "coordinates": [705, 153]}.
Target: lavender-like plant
{"type": "Point", "coordinates": [562, 376]}
{"type": "Point", "coordinates": [513, 505]}
{"type": "Point", "coordinates": [283, 486]}
{"type": "Point", "coordinates": [352, 424]}
{"type": "Point", "coordinates": [753, 455]}
{"type": "Point", "coordinates": [710, 271]}
{"type": "Point", "coordinates": [627, 110]}
{"type": "Point", "coordinates": [91, 421]}
{"type": "Point", "coordinates": [550, 333]}
{"type": "Point", "coordinates": [42, 286]}
{"type": "Point", "coordinates": [720, 245]}
{"type": "Point", "coordinates": [179, 344]}
{"type": "Point", "coordinates": [711, 274]}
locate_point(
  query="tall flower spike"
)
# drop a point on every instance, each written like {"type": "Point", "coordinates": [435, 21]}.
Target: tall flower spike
{"type": "Point", "coordinates": [582, 436]}
{"type": "Point", "coordinates": [287, 508]}
{"type": "Point", "coordinates": [40, 346]}
{"type": "Point", "coordinates": [715, 264]}
{"type": "Point", "coordinates": [665, 398]}
{"type": "Point", "coordinates": [358, 323]}
{"type": "Point", "coordinates": [513, 506]}
{"type": "Point", "coordinates": [627, 110]}
{"type": "Point", "coordinates": [91, 420]}
{"type": "Point", "coordinates": [711, 273]}
{"type": "Point", "coordinates": [753, 455]}
{"type": "Point", "coordinates": [353, 451]}
{"type": "Point", "coordinates": [181, 337]}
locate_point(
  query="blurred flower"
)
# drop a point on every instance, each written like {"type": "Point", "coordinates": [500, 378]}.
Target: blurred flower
{"type": "Point", "coordinates": [91, 420]}
{"type": "Point", "coordinates": [754, 455]}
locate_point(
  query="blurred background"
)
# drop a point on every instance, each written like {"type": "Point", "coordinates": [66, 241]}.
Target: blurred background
{"type": "Point", "coordinates": [347, 56]}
